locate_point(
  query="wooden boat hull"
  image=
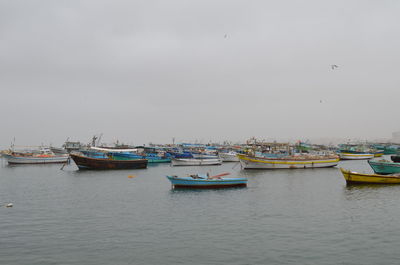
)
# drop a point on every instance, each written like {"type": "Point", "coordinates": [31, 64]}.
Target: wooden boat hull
{"type": "Point", "coordinates": [356, 156]}
{"type": "Point", "coordinates": [358, 178]}
{"type": "Point", "coordinates": [102, 163]}
{"type": "Point", "coordinates": [228, 157]}
{"type": "Point", "coordinates": [188, 182]}
{"type": "Point", "coordinates": [195, 162]}
{"type": "Point", "coordinates": [11, 159]}
{"type": "Point", "coordinates": [384, 168]}
{"type": "Point", "coordinates": [248, 162]}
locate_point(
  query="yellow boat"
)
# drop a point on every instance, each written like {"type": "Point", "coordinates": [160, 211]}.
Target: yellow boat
{"type": "Point", "coordinates": [359, 178]}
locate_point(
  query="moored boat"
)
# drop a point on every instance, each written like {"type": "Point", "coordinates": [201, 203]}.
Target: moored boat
{"type": "Point", "coordinates": [85, 162]}
{"type": "Point", "coordinates": [357, 152]}
{"type": "Point", "coordinates": [291, 162]}
{"type": "Point", "coordinates": [203, 181]}
{"type": "Point", "coordinates": [355, 156]}
{"type": "Point", "coordinates": [384, 167]}
{"type": "Point", "coordinates": [360, 178]}
{"type": "Point", "coordinates": [204, 156]}
{"type": "Point", "coordinates": [195, 162]}
{"type": "Point", "coordinates": [228, 156]}
{"type": "Point", "coordinates": [395, 158]}
{"type": "Point", "coordinates": [41, 157]}
{"type": "Point", "coordinates": [152, 158]}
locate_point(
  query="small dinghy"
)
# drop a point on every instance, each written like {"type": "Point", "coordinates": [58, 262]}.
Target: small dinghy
{"type": "Point", "coordinates": [205, 181]}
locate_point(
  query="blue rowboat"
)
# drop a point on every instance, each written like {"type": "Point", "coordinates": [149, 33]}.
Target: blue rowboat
{"type": "Point", "coordinates": [384, 167]}
{"type": "Point", "coordinates": [202, 181]}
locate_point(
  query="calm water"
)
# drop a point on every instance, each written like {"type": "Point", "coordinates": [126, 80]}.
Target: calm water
{"type": "Point", "coordinates": [283, 217]}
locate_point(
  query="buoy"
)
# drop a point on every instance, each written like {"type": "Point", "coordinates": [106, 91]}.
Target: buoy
{"type": "Point", "coordinates": [9, 205]}
{"type": "Point", "coordinates": [131, 176]}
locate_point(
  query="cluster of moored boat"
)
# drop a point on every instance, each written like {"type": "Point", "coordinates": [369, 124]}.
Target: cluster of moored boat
{"type": "Point", "coordinates": [273, 156]}
{"type": "Point", "coordinates": [131, 158]}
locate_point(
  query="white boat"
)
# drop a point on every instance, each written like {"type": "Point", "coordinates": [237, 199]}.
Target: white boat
{"type": "Point", "coordinates": [20, 158]}
{"type": "Point", "coordinates": [355, 156]}
{"type": "Point", "coordinates": [291, 162]}
{"type": "Point", "coordinates": [229, 156]}
{"type": "Point", "coordinates": [195, 162]}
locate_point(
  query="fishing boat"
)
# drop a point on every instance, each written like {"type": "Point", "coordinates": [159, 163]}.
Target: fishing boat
{"type": "Point", "coordinates": [130, 154]}
{"type": "Point", "coordinates": [195, 162]}
{"type": "Point", "coordinates": [384, 167]}
{"type": "Point", "coordinates": [58, 150]}
{"type": "Point", "coordinates": [360, 178]}
{"type": "Point", "coordinates": [152, 158]}
{"type": "Point", "coordinates": [180, 154]}
{"type": "Point", "coordinates": [228, 156]}
{"type": "Point", "coordinates": [395, 158]}
{"type": "Point", "coordinates": [388, 149]}
{"type": "Point", "coordinates": [204, 156]}
{"type": "Point", "coordinates": [204, 181]}
{"type": "Point", "coordinates": [86, 162]}
{"type": "Point", "coordinates": [291, 162]}
{"type": "Point", "coordinates": [355, 156]}
{"type": "Point", "coordinates": [357, 152]}
{"type": "Point", "coordinates": [43, 156]}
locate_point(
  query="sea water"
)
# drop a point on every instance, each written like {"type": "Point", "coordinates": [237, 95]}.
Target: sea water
{"type": "Point", "coordinates": [283, 217]}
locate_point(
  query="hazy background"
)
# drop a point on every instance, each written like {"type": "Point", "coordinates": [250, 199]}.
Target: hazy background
{"type": "Point", "coordinates": [142, 71]}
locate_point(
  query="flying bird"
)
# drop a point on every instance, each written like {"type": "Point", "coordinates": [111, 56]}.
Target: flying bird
{"type": "Point", "coordinates": [333, 66]}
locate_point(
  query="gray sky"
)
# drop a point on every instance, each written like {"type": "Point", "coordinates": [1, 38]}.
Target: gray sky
{"type": "Point", "coordinates": [142, 71]}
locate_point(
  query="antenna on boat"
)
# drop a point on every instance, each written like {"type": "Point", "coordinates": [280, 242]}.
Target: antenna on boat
{"type": "Point", "coordinates": [98, 140]}
{"type": "Point", "coordinates": [13, 144]}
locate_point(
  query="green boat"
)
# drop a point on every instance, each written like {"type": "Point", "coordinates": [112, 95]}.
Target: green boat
{"type": "Point", "coordinates": [387, 149]}
{"type": "Point", "coordinates": [384, 167]}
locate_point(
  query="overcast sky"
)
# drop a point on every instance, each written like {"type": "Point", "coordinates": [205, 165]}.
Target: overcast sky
{"type": "Point", "coordinates": [147, 71]}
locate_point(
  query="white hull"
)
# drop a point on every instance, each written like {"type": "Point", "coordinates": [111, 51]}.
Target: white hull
{"type": "Point", "coordinates": [35, 160]}
{"type": "Point", "coordinates": [265, 163]}
{"type": "Point", "coordinates": [195, 162]}
{"type": "Point", "coordinates": [349, 156]}
{"type": "Point", "coordinates": [228, 157]}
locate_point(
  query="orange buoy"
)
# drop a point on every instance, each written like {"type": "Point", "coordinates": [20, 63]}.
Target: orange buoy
{"type": "Point", "coordinates": [130, 176]}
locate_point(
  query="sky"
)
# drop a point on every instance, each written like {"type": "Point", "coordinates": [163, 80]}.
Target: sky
{"type": "Point", "coordinates": [150, 71]}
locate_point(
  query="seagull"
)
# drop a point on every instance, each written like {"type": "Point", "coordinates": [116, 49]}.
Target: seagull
{"type": "Point", "coordinates": [225, 36]}
{"type": "Point", "coordinates": [333, 66]}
